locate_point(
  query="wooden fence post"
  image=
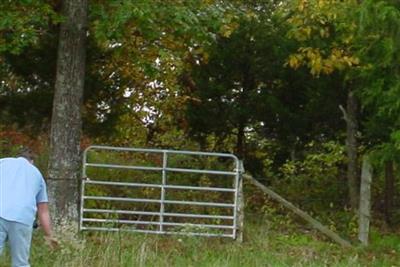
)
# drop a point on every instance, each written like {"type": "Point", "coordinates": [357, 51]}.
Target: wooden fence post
{"type": "Point", "coordinates": [365, 202]}
{"type": "Point", "coordinates": [240, 207]}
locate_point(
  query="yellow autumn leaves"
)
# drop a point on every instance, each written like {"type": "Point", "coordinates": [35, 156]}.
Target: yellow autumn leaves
{"type": "Point", "coordinates": [324, 35]}
{"type": "Point", "coordinates": [318, 63]}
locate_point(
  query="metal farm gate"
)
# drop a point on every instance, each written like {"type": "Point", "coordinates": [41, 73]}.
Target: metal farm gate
{"type": "Point", "coordinates": [159, 191]}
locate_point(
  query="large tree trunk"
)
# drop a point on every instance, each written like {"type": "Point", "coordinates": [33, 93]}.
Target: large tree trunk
{"type": "Point", "coordinates": [66, 123]}
{"type": "Point", "coordinates": [389, 191]}
{"type": "Point", "coordinates": [350, 116]}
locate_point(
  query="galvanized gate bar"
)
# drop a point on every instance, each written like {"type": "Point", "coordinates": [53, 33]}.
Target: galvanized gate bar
{"type": "Point", "coordinates": [166, 214]}
{"type": "Point", "coordinates": [218, 189]}
{"type": "Point", "coordinates": [162, 201]}
{"type": "Point", "coordinates": [110, 229]}
{"type": "Point", "coordinates": [132, 212]}
{"type": "Point", "coordinates": [200, 171]}
{"type": "Point", "coordinates": [114, 166]}
{"type": "Point", "coordinates": [126, 199]}
{"type": "Point", "coordinates": [215, 226]}
{"type": "Point", "coordinates": [145, 168]}
{"type": "Point", "coordinates": [122, 184]}
{"type": "Point", "coordinates": [197, 203]}
{"type": "Point", "coordinates": [146, 200]}
{"type": "Point", "coordinates": [132, 149]}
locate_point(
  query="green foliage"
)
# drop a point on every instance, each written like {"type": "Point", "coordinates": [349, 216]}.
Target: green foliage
{"type": "Point", "coordinates": [22, 23]}
{"type": "Point", "coordinates": [8, 150]}
{"type": "Point", "coordinates": [136, 52]}
{"type": "Point", "coordinates": [360, 40]}
{"type": "Point", "coordinates": [198, 19]}
{"type": "Point", "coordinates": [380, 87]}
{"type": "Point", "coordinates": [243, 91]}
{"type": "Point", "coordinates": [148, 45]}
{"type": "Point", "coordinates": [317, 175]}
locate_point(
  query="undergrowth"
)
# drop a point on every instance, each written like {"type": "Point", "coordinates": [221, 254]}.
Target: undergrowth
{"type": "Point", "coordinates": [264, 245]}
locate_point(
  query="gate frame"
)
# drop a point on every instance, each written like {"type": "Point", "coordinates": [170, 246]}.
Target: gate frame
{"type": "Point", "coordinates": [237, 173]}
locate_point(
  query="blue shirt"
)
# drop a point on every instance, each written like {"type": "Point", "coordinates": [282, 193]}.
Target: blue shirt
{"type": "Point", "coordinates": [22, 187]}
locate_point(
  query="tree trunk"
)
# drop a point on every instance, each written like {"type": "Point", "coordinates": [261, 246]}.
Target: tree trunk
{"type": "Point", "coordinates": [389, 191]}
{"type": "Point", "coordinates": [66, 122]}
{"type": "Point", "coordinates": [352, 146]}
{"type": "Point", "coordinates": [240, 142]}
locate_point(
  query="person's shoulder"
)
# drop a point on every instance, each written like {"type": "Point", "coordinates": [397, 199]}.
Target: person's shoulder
{"type": "Point", "coordinates": [9, 159]}
{"type": "Point", "coordinates": [29, 166]}
{"type": "Point", "coordinates": [23, 162]}
{"type": "Point", "coordinates": [36, 170]}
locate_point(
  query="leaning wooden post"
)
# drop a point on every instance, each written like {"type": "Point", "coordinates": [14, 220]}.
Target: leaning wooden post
{"type": "Point", "coordinates": [314, 223]}
{"type": "Point", "coordinates": [240, 206]}
{"type": "Point", "coordinates": [365, 202]}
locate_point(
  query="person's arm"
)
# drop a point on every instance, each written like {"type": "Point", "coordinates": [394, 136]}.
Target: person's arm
{"type": "Point", "coordinates": [45, 223]}
{"type": "Point", "coordinates": [44, 218]}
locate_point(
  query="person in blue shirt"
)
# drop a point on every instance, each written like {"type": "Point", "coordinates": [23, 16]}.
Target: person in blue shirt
{"type": "Point", "coordinates": [22, 194]}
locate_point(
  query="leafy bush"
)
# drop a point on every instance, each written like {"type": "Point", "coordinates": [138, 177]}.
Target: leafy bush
{"type": "Point", "coordinates": [315, 182]}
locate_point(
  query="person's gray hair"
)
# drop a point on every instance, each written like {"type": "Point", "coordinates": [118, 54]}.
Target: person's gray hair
{"type": "Point", "coordinates": [26, 153]}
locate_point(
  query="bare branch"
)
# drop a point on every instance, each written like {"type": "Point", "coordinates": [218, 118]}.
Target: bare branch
{"type": "Point", "coordinates": [345, 116]}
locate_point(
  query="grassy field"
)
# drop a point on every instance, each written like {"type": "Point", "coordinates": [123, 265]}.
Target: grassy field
{"type": "Point", "coordinates": [263, 246]}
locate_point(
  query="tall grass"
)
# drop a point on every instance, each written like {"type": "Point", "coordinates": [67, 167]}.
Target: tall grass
{"type": "Point", "coordinates": [263, 246]}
